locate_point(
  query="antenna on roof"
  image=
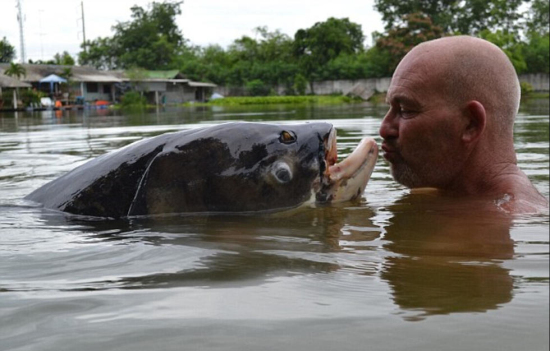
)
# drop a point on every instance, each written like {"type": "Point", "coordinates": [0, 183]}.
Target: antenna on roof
{"type": "Point", "coordinates": [21, 36]}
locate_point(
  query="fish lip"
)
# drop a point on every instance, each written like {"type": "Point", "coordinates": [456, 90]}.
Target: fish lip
{"type": "Point", "coordinates": [365, 153]}
{"type": "Point", "coordinates": [330, 156]}
{"type": "Point", "coordinates": [339, 178]}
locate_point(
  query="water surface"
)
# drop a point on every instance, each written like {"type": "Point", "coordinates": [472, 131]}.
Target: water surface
{"type": "Point", "coordinates": [394, 271]}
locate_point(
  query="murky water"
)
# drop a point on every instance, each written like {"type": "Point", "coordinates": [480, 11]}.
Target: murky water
{"type": "Point", "coordinates": [396, 271]}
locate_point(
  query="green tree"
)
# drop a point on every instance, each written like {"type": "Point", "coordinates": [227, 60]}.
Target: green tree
{"type": "Point", "coordinates": [536, 49]}
{"type": "Point", "coordinates": [67, 73]}
{"type": "Point", "coordinates": [42, 62]}
{"type": "Point", "coordinates": [538, 18]}
{"type": "Point", "coordinates": [151, 39]}
{"type": "Point", "coordinates": [465, 17]}
{"type": "Point", "coordinates": [511, 46]}
{"type": "Point", "coordinates": [136, 75]}
{"type": "Point", "coordinates": [400, 40]}
{"type": "Point", "coordinates": [100, 53]}
{"type": "Point", "coordinates": [267, 57]}
{"type": "Point", "coordinates": [64, 59]}
{"type": "Point", "coordinates": [257, 87]}
{"type": "Point", "coordinates": [536, 53]}
{"type": "Point", "coordinates": [300, 84]}
{"type": "Point", "coordinates": [274, 46]}
{"type": "Point", "coordinates": [210, 63]}
{"type": "Point", "coordinates": [316, 46]}
{"type": "Point", "coordinates": [7, 51]}
{"type": "Point", "coordinates": [377, 63]}
{"type": "Point", "coordinates": [16, 70]}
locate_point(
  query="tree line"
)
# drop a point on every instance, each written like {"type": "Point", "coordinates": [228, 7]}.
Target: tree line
{"type": "Point", "coordinates": [329, 50]}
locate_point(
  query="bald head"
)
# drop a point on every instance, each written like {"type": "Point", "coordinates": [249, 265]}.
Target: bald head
{"type": "Point", "coordinates": [452, 104]}
{"type": "Point", "coordinates": [468, 68]}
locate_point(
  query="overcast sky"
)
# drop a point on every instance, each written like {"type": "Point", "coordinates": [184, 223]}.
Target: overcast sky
{"type": "Point", "coordinates": [53, 26]}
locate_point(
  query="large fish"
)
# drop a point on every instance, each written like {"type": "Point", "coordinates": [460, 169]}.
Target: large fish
{"type": "Point", "coordinates": [231, 167]}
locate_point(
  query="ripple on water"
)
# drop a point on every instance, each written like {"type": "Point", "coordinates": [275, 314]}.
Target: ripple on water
{"type": "Point", "coordinates": [345, 275]}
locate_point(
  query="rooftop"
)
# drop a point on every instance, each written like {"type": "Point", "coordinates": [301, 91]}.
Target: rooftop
{"type": "Point", "coordinates": [35, 73]}
{"type": "Point", "coordinates": [9, 82]}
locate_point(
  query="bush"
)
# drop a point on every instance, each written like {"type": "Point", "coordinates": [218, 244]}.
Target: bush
{"type": "Point", "coordinates": [267, 100]}
{"type": "Point", "coordinates": [526, 88]}
{"type": "Point", "coordinates": [29, 97]}
{"type": "Point", "coordinates": [257, 87]}
{"type": "Point", "coordinates": [133, 99]}
{"type": "Point", "coordinates": [7, 98]}
{"type": "Point", "coordinates": [300, 84]}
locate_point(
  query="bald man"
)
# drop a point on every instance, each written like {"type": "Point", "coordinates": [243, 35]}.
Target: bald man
{"type": "Point", "coordinates": [450, 124]}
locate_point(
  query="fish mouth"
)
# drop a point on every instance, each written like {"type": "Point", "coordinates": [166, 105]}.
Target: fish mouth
{"type": "Point", "coordinates": [346, 180]}
{"type": "Point", "coordinates": [331, 153]}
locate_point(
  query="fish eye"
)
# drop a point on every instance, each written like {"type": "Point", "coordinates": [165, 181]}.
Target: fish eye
{"type": "Point", "coordinates": [287, 137]}
{"type": "Point", "coordinates": [282, 173]}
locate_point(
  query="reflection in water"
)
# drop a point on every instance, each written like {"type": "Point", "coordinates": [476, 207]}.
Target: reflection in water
{"type": "Point", "coordinates": [345, 275]}
{"type": "Point", "coordinates": [438, 255]}
{"type": "Point", "coordinates": [234, 250]}
{"type": "Point", "coordinates": [442, 255]}
{"type": "Point", "coordinates": [449, 254]}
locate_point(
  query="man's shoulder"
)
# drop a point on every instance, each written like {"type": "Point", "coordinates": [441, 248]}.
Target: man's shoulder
{"type": "Point", "coordinates": [523, 198]}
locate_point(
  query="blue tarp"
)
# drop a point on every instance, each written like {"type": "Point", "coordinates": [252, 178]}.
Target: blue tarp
{"type": "Point", "coordinates": [216, 96]}
{"type": "Point", "coordinates": [52, 78]}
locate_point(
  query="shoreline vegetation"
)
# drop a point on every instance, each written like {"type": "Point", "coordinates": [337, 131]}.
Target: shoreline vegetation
{"type": "Point", "coordinates": [261, 100]}
{"type": "Point", "coordinates": [274, 100]}
{"type": "Point", "coordinates": [376, 99]}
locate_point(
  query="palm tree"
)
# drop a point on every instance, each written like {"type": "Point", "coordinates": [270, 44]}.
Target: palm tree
{"type": "Point", "coordinates": [67, 73]}
{"type": "Point", "coordinates": [16, 70]}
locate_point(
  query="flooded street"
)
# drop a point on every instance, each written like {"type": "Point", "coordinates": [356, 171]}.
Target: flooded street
{"type": "Point", "coordinates": [394, 271]}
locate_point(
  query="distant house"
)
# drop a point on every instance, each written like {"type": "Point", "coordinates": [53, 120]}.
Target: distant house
{"type": "Point", "coordinates": [9, 83]}
{"type": "Point", "coordinates": [170, 87]}
{"type": "Point", "coordinates": [91, 84]}
{"type": "Point", "coordinates": [84, 81]}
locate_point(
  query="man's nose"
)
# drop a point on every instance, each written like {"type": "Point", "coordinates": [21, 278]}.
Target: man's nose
{"type": "Point", "coordinates": [389, 128]}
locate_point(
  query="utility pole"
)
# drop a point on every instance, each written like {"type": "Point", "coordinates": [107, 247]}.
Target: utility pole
{"type": "Point", "coordinates": [20, 18]}
{"type": "Point", "coordinates": [83, 27]}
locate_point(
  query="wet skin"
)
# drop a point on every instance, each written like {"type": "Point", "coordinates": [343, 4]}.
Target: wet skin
{"type": "Point", "coordinates": [233, 167]}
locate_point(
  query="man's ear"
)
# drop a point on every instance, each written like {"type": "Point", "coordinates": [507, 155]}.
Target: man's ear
{"type": "Point", "coordinates": [477, 120]}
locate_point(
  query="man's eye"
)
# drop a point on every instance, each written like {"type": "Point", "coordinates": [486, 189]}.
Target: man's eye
{"type": "Point", "coordinates": [407, 113]}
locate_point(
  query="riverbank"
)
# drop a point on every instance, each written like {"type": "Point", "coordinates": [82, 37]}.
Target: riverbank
{"type": "Point", "coordinates": [275, 100]}
{"type": "Point", "coordinates": [376, 99]}
{"type": "Point", "coordinates": [535, 95]}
